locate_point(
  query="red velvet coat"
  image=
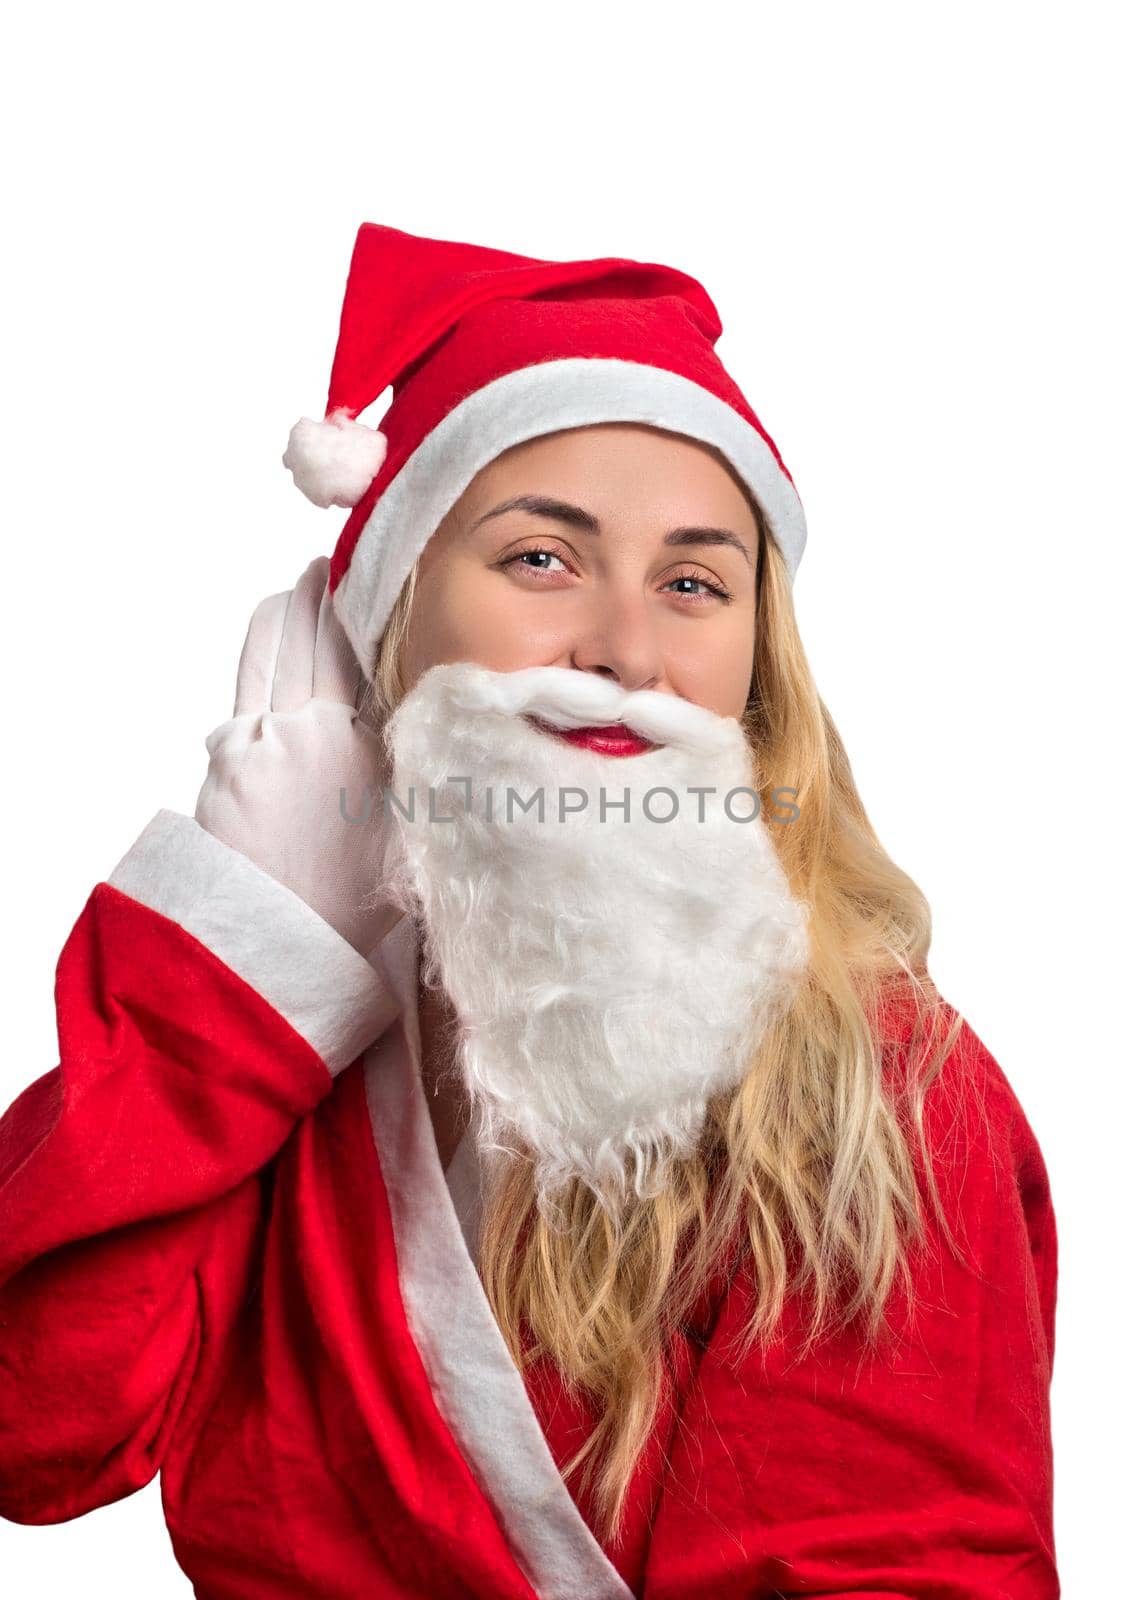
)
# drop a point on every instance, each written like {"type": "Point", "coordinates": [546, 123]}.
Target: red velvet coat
{"type": "Point", "coordinates": [228, 1253]}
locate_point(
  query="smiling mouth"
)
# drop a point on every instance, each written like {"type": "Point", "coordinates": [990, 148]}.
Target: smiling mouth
{"type": "Point", "coordinates": [610, 738]}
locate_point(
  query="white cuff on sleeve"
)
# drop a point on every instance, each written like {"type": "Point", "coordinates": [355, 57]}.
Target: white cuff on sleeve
{"type": "Point", "coordinates": [265, 933]}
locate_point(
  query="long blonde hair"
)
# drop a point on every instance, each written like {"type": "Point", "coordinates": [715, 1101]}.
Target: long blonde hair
{"type": "Point", "coordinates": [807, 1166]}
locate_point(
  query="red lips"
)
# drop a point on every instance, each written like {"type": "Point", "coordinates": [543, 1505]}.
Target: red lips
{"type": "Point", "coordinates": [611, 739]}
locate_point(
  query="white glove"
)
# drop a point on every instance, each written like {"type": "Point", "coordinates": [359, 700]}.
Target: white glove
{"type": "Point", "coordinates": [295, 756]}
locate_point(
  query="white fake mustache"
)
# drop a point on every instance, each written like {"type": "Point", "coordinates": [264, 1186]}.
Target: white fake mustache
{"type": "Point", "coordinates": [567, 698]}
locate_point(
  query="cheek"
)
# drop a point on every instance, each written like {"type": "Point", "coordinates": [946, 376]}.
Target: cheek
{"type": "Point", "coordinates": [715, 668]}
{"type": "Point", "coordinates": [467, 614]}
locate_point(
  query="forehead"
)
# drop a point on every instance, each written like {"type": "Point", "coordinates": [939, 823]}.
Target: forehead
{"type": "Point", "coordinates": [618, 459]}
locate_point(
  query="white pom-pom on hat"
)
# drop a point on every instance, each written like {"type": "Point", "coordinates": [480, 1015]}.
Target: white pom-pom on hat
{"type": "Point", "coordinates": [334, 461]}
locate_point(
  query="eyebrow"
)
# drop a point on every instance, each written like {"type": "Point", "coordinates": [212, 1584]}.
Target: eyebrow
{"type": "Point", "coordinates": [541, 505]}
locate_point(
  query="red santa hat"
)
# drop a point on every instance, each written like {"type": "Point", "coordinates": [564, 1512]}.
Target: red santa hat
{"type": "Point", "coordinates": [484, 349]}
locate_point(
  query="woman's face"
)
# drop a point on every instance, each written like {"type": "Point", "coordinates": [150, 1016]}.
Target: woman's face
{"type": "Point", "coordinates": [633, 554]}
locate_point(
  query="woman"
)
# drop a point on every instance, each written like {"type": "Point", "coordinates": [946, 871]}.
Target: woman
{"type": "Point", "coordinates": [591, 1205]}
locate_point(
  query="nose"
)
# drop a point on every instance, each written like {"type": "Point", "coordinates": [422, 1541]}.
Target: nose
{"type": "Point", "coordinates": [619, 643]}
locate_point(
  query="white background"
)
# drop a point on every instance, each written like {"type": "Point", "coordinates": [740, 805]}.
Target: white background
{"type": "Point", "coordinates": [912, 221]}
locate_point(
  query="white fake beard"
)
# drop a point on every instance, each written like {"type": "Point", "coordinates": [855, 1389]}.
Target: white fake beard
{"type": "Point", "coordinates": [610, 976]}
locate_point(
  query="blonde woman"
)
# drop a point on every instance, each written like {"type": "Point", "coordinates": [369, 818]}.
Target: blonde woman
{"type": "Point", "coordinates": [508, 1141]}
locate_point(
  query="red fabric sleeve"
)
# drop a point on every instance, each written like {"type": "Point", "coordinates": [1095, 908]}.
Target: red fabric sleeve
{"type": "Point", "coordinates": [130, 1200]}
{"type": "Point", "coordinates": [924, 1472]}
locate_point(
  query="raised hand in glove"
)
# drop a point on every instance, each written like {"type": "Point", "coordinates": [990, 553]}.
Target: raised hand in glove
{"type": "Point", "coordinates": [297, 760]}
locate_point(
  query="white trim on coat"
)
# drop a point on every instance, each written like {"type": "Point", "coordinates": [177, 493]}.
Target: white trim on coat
{"type": "Point", "coordinates": [478, 1389]}
{"type": "Point", "coordinates": [464, 1179]}
{"type": "Point", "coordinates": [525, 404]}
{"type": "Point", "coordinates": [266, 934]}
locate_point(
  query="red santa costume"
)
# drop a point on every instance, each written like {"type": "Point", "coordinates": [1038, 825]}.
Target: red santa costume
{"type": "Point", "coordinates": [229, 1252]}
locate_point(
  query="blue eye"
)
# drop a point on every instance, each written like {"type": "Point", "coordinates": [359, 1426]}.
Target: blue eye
{"type": "Point", "coordinates": [522, 554]}
{"type": "Point", "coordinates": [706, 587]}
{"type": "Point", "coordinates": [713, 588]}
